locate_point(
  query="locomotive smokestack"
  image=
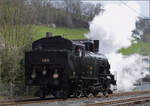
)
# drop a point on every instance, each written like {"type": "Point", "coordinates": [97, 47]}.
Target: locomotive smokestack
{"type": "Point", "coordinates": [48, 34]}
{"type": "Point", "coordinates": [96, 45]}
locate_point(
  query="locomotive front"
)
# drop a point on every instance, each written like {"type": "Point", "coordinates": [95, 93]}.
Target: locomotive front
{"type": "Point", "coordinates": [46, 65]}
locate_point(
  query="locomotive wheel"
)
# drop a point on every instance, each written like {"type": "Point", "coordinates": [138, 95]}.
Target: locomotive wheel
{"type": "Point", "coordinates": [105, 93]}
{"type": "Point", "coordinates": [110, 91]}
{"type": "Point", "coordinates": [57, 94]}
{"type": "Point", "coordinates": [86, 93]}
{"type": "Point", "coordinates": [95, 93]}
{"type": "Point", "coordinates": [64, 94]}
{"type": "Point", "coordinates": [77, 94]}
{"type": "Point", "coordinates": [42, 94]}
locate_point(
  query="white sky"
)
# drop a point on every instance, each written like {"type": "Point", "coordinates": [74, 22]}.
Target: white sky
{"type": "Point", "coordinates": [144, 5]}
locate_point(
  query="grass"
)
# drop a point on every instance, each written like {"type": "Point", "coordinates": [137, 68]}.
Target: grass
{"type": "Point", "coordinates": [78, 33]}
{"type": "Point", "coordinates": [140, 47]}
{"type": "Point", "coordinates": [69, 33]}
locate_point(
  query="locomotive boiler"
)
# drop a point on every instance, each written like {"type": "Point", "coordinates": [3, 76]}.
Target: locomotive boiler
{"type": "Point", "coordinates": [64, 68]}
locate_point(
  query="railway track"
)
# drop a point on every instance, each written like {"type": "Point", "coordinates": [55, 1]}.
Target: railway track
{"type": "Point", "coordinates": [141, 98]}
{"type": "Point", "coordinates": [123, 102]}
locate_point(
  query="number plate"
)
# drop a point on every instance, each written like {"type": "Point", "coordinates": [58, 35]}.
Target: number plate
{"type": "Point", "coordinates": [45, 60]}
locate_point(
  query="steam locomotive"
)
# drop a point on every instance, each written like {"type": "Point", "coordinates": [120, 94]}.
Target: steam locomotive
{"type": "Point", "coordinates": [65, 68]}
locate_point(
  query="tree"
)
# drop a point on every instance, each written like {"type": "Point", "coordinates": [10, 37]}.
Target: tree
{"type": "Point", "coordinates": [15, 33]}
{"type": "Point", "coordinates": [142, 30]}
{"type": "Point", "coordinates": [90, 10]}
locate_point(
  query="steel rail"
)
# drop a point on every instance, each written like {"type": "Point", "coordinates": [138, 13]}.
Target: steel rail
{"type": "Point", "coordinates": [142, 101]}
{"type": "Point", "coordinates": [123, 102]}
{"type": "Point", "coordinates": [50, 100]}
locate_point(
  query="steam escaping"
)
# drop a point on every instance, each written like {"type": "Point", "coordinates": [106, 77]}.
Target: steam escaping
{"type": "Point", "coordinates": [128, 69]}
{"type": "Point", "coordinates": [113, 29]}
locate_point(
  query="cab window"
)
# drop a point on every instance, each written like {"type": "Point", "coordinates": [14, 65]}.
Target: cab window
{"type": "Point", "coordinates": [78, 51]}
{"type": "Point", "coordinates": [89, 46]}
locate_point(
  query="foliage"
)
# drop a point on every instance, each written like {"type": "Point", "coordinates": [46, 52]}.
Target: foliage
{"type": "Point", "coordinates": [142, 36]}
{"type": "Point", "coordinates": [142, 30]}
{"type": "Point", "coordinates": [17, 30]}
{"type": "Point", "coordinates": [77, 33]}
{"type": "Point", "coordinates": [15, 33]}
{"type": "Point", "coordinates": [67, 13]}
{"type": "Point", "coordinates": [139, 47]}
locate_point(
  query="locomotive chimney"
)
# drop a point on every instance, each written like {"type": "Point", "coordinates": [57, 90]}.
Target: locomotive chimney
{"type": "Point", "coordinates": [96, 45]}
{"type": "Point", "coordinates": [48, 34]}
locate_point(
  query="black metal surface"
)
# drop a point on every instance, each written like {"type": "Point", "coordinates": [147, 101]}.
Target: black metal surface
{"type": "Point", "coordinates": [63, 67]}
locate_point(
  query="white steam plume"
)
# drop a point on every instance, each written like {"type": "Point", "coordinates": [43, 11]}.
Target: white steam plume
{"type": "Point", "coordinates": [113, 29]}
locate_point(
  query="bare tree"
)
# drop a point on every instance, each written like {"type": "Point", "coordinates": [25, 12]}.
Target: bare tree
{"type": "Point", "coordinates": [15, 32]}
{"type": "Point", "coordinates": [90, 10]}
{"type": "Point", "coordinates": [142, 30]}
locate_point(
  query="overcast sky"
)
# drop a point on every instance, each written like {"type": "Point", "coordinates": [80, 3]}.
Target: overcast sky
{"type": "Point", "coordinates": [144, 5]}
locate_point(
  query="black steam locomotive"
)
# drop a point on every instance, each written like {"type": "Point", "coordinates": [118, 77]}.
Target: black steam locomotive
{"type": "Point", "coordinates": [65, 68]}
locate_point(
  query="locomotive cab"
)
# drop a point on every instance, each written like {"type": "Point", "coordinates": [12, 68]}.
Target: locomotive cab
{"type": "Point", "coordinates": [92, 46]}
{"type": "Point", "coordinates": [79, 50]}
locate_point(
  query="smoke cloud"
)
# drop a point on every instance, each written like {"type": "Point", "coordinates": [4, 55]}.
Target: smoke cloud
{"type": "Point", "coordinates": [114, 29]}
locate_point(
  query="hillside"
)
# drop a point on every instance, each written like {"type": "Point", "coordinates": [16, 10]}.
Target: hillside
{"type": "Point", "coordinates": [78, 33]}
{"type": "Point", "coordinates": [140, 47]}
{"type": "Point", "coordinates": [75, 33]}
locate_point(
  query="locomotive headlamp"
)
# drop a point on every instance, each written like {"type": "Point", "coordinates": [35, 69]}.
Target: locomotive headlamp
{"type": "Point", "coordinates": [108, 77]}
{"type": "Point", "coordinates": [44, 72]}
{"type": "Point", "coordinates": [55, 75]}
{"type": "Point", "coordinates": [91, 68]}
{"type": "Point", "coordinates": [33, 75]}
